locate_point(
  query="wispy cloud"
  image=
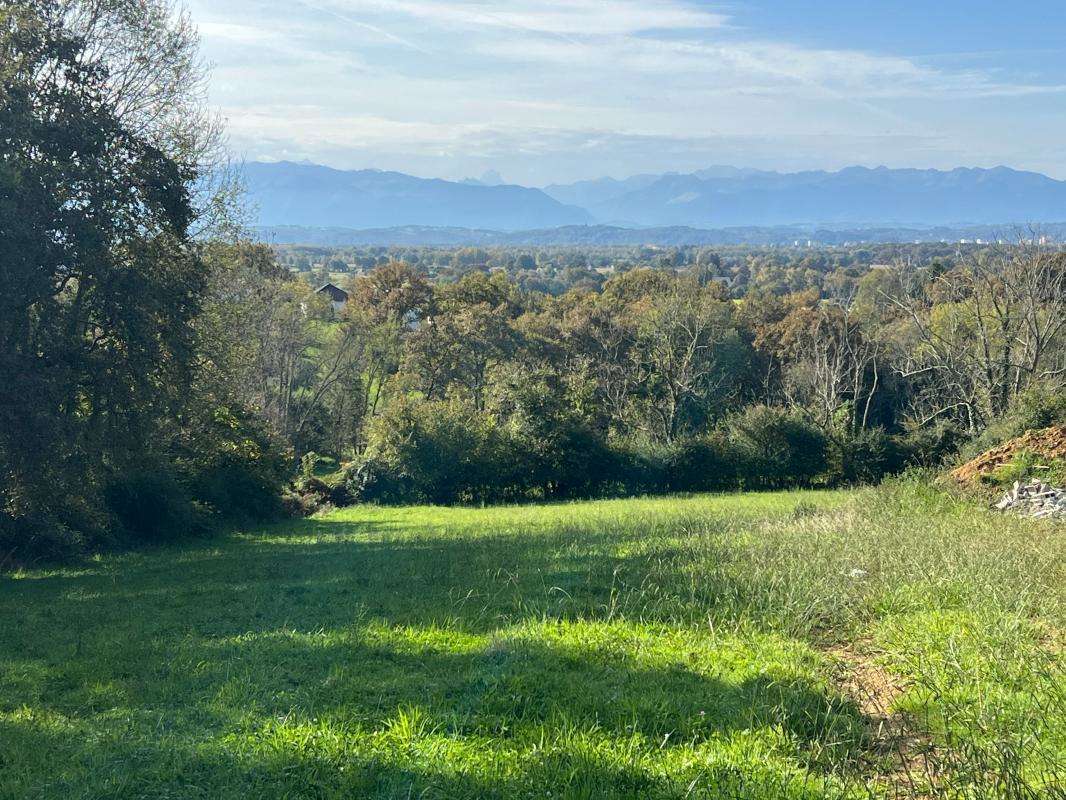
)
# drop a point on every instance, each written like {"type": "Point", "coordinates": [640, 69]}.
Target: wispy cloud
{"type": "Point", "coordinates": [447, 78]}
{"type": "Point", "coordinates": [577, 18]}
{"type": "Point", "coordinates": [350, 19]}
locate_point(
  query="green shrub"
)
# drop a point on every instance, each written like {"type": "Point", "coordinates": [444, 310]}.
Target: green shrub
{"type": "Point", "coordinates": [239, 489]}
{"type": "Point", "coordinates": [572, 461]}
{"type": "Point", "coordinates": [1027, 465]}
{"type": "Point", "coordinates": [441, 452]}
{"type": "Point", "coordinates": [865, 456]}
{"type": "Point", "coordinates": [930, 446]}
{"type": "Point", "coordinates": [148, 503]}
{"type": "Point", "coordinates": [373, 480]}
{"type": "Point", "coordinates": [25, 539]}
{"type": "Point", "coordinates": [234, 466]}
{"type": "Point", "coordinates": [776, 448]}
{"type": "Point", "coordinates": [308, 465]}
{"type": "Point", "coordinates": [707, 464]}
{"type": "Point", "coordinates": [640, 467]}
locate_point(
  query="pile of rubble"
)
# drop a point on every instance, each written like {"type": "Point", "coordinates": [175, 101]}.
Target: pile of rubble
{"type": "Point", "coordinates": [1035, 499]}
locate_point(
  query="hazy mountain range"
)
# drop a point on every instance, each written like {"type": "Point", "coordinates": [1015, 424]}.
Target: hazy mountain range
{"type": "Point", "coordinates": [308, 195]}
{"type": "Point", "coordinates": [725, 196]}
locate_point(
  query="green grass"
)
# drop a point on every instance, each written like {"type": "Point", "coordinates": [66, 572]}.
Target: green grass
{"type": "Point", "coordinates": [1028, 466]}
{"type": "Point", "coordinates": [661, 648]}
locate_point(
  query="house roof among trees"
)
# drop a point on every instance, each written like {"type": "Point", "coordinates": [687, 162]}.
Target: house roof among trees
{"type": "Point", "coordinates": [336, 293]}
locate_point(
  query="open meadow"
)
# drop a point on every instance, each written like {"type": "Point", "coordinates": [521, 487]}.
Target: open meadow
{"type": "Point", "coordinates": [480, 400]}
{"type": "Point", "coordinates": [887, 642]}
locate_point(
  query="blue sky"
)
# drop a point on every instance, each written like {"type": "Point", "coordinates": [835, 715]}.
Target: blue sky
{"type": "Point", "coordinates": [558, 90]}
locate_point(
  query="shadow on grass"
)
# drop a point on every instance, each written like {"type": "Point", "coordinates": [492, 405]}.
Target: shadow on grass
{"type": "Point", "coordinates": [284, 665]}
{"type": "Point", "coordinates": [278, 716]}
{"type": "Point", "coordinates": [323, 574]}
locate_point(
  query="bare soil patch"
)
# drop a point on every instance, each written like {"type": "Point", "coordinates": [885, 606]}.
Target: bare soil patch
{"type": "Point", "coordinates": [1049, 443]}
{"type": "Point", "coordinates": [908, 766]}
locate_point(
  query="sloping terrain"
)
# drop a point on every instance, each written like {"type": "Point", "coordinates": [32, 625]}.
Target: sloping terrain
{"type": "Point", "coordinates": [870, 644]}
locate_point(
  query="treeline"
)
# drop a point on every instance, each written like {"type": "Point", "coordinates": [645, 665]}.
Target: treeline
{"type": "Point", "coordinates": [557, 270]}
{"type": "Point", "coordinates": [478, 391]}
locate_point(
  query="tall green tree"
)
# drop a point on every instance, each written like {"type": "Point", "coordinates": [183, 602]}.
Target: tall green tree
{"type": "Point", "coordinates": [101, 167]}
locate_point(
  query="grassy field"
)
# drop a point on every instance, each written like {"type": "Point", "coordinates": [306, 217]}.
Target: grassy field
{"type": "Point", "coordinates": [875, 643]}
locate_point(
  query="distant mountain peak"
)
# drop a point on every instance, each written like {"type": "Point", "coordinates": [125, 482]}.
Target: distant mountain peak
{"type": "Point", "coordinates": [488, 178]}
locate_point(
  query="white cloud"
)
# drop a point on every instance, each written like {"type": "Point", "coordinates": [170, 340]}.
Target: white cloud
{"type": "Point", "coordinates": [570, 17]}
{"type": "Point", "coordinates": [756, 66]}
{"type": "Point", "coordinates": [459, 80]}
{"type": "Point", "coordinates": [237, 33]}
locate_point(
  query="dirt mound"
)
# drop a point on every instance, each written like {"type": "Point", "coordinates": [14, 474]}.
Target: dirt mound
{"type": "Point", "coordinates": [1048, 443]}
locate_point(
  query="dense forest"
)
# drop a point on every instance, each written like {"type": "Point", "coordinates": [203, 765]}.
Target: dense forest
{"type": "Point", "coordinates": [660, 378]}
{"type": "Point", "coordinates": [162, 373]}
